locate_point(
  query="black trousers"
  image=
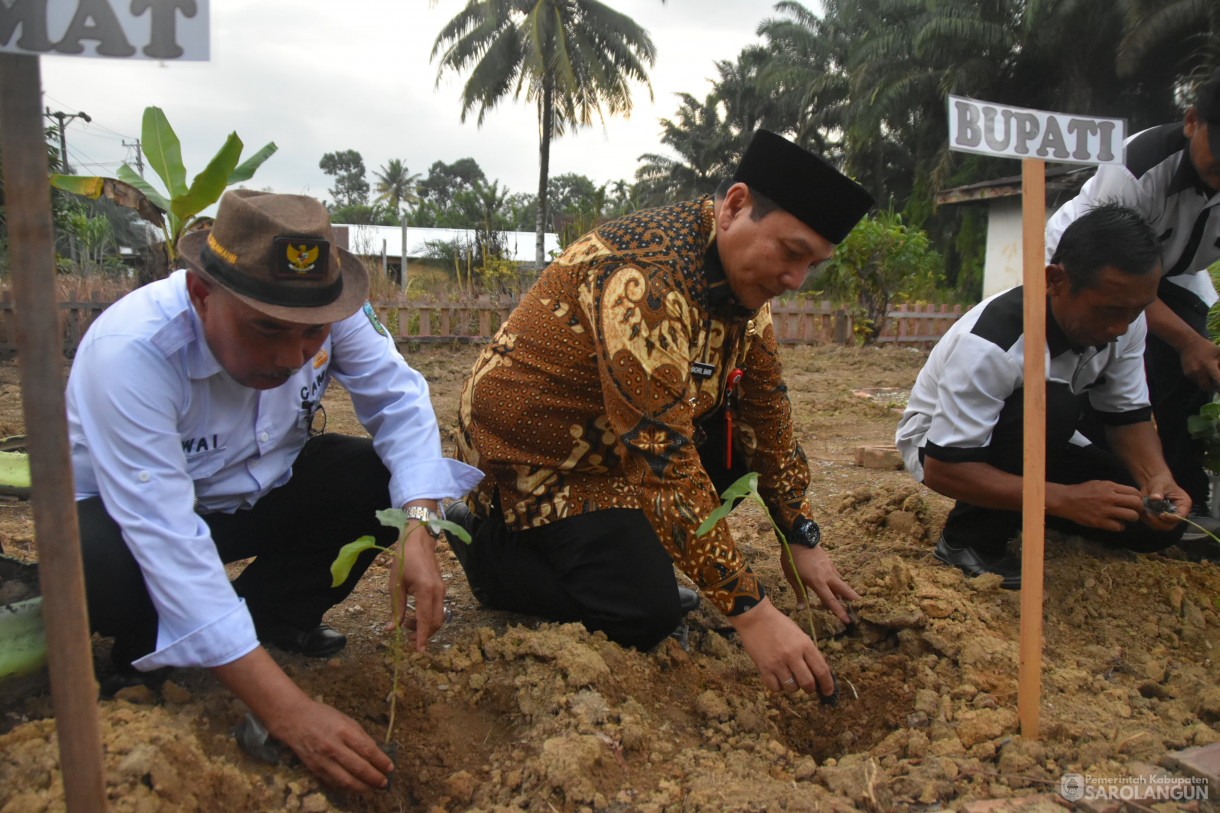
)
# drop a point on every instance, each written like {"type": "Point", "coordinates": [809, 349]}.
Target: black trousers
{"type": "Point", "coordinates": [605, 569]}
{"type": "Point", "coordinates": [1175, 397]}
{"type": "Point", "coordinates": [294, 533]}
{"type": "Point", "coordinates": [988, 530]}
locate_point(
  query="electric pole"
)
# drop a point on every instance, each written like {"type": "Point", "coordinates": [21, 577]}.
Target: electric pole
{"type": "Point", "coordinates": [63, 119]}
{"type": "Point", "coordinates": [139, 154]}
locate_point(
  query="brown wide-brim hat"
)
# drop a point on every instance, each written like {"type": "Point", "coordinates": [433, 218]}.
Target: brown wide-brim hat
{"type": "Point", "coordinates": [277, 254]}
{"type": "Point", "coordinates": [805, 185]}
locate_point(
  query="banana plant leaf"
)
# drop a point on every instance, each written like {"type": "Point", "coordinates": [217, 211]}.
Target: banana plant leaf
{"type": "Point", "coordinates": [128, 175]}
{"type": "Point", "coordinates": [15, 474]}
{"type": "Point", "coordinates": [163, 150]}
{"type": "Point", "coordinates": [122, 193]}
{"type": "Point", "coordinates": [210, 184]}
{"type": "Point", "coordinates": [246, 168]}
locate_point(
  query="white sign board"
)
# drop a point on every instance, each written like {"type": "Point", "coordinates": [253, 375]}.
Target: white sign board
{"type": "Point", "coordinates": [135, 29]}
{"type": "Point", "coordinates": [993, 129]}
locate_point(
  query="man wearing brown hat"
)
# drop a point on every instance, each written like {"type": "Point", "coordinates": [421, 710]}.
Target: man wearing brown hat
{"type": "Point", "coordinates": [1171, 176]}
{"type": "Point", "coordinates": [602, 409]}
{"type": "Point", "coordinates": [194, 412]}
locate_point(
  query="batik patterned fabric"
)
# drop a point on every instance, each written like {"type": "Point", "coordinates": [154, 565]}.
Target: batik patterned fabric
{"type": "Point", "coordinates": [585, 399]}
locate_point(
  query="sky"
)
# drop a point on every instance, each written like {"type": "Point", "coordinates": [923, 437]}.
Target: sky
{"type": "Point", "coordinates": [318, 77]}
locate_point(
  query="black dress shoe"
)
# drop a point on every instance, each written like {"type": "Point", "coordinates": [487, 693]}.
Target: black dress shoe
{"type": "Point", "coordinates": [125, 675]}
{"type": "Point", "coordinates": [972, 563]}
{"type": "Point", "coordinates": [319, 642]}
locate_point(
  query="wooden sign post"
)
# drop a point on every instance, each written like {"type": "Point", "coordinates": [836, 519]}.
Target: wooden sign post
{"type": "Point", "coordinates": [1034, 136]}
{"type": "Point", "coordinates": [92, 29]}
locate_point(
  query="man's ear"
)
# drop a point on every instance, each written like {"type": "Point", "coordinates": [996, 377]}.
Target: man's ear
{"type": "Point", "coordinates": [1191, 123]}
{"type": "Point", "coordinates": [197, 288]}
{"type": "Point", "coordinates": [736, 200]}
{"type": "Point", "coordinates": [1057, 281]}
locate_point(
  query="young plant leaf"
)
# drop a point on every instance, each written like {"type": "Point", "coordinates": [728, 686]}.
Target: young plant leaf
{"type": "Point", "coordinates": [341, 568]}
{"type": "Point", "coordinates": [394, 518]}
{"type": "Point", "coordinates": [744, 487]}
{"type": "Point", "coordinates": [718, 514]}
{"type": "Point", "coordinates": [450, 527]}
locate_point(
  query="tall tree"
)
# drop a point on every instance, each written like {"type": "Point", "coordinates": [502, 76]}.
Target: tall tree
{"type": "Point", "coordinates": [347, 168]}
{"type": "Point", "coordinates": [703, 144]}
{"type": "Point", "coordinates": [395, 184]}
{"type": "Point", "coordinates": [446, 180]}
{"type": "Point", "coordinates": [572, 58]}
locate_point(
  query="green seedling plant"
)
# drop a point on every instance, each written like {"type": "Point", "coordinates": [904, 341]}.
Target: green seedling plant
{"type": "Point", "coordinates": [747, 488]}
{"type": "Point", "coordinates": [341, 568]}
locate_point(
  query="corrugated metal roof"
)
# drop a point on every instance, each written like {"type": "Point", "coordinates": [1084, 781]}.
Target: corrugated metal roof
{"type": "Point", "coordinates": [368, 241]}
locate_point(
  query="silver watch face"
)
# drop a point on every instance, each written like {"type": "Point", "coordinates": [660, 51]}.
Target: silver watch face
{"type": "Point", "coordinates": [425, 516]}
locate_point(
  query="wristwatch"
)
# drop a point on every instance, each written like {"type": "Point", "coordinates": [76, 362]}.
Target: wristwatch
{"type": "Point", "coordinates": [425, 515]}
{"type": "Point", "coordinates": [805, 532]}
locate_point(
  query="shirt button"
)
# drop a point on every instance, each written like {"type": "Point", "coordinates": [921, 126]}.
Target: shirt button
{"type": "Point", "coordinates": [144, 477]}
{"type": "Point", "coordinates": [263, 437]}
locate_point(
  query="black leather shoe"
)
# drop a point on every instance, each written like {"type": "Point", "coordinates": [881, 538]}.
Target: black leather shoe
{"type": "Point", "coordinates": [688, 600]}
{"type": "Point", "coordinates": [972, 563]}
{"type": "Point", "coordinates": [319, 642]}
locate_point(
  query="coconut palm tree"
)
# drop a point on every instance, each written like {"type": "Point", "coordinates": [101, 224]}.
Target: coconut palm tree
{"type": "Point", "coordinates": [395, 184]}
{"type": "Point", "coordinates": [572, 58]}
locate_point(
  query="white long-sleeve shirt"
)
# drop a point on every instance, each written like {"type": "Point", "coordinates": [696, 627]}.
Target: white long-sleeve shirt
{"type": "Point", "coordinates": [163, 434]}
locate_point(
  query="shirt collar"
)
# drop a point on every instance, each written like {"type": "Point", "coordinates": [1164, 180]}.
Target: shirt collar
{"type": "Point", "coordinates": [1056, 340]}
{"type": "Point", "coordinates": [1187, 177]}
{"type": "Point", "coordinates": [720, 298]}
{"type": "Point", "coordinates": [200, 363]}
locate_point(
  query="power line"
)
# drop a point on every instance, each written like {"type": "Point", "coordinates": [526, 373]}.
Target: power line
{"type": "Point", "coordinates": [93, 123]}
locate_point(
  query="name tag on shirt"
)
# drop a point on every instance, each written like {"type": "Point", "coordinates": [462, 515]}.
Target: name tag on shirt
{"type": "Point", "coordinates": [702, 370]}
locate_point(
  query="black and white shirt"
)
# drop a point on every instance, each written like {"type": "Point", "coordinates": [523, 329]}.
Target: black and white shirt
{"type": "Point", "coordinates": [957, 398]}
{"type": "Point", "coordinates": [1159, 181]}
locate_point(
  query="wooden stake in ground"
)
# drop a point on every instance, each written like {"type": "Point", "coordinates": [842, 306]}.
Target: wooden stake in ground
{"type": "Point", "coordinates": [1033, 520]}
{"type": "Point", "coordinates": [40, 359]}
{"type": "Point", "coordinates": [1034, 136]}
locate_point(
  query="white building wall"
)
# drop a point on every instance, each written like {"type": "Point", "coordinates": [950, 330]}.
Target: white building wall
{"type": "Point", "coordinates": [1002, 268]}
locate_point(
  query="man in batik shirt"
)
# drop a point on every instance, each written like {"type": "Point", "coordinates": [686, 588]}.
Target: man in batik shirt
{"type": "Point", "coordinates": [601, 409]}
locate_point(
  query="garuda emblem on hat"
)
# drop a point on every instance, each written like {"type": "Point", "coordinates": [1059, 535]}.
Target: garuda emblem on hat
{"type": "Point", "coordinates": [301, 258]}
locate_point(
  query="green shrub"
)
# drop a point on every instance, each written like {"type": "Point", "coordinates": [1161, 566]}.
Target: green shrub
{"type": "Point", "coordinates": [880, 264]}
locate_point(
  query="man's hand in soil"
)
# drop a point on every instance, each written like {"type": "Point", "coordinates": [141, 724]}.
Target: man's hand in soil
{"type": "Point", "coordinates": [786, 657]}
{"type": "Point", "coordinates": [1096, 503]}
{"type": "Point", "coordinates": [420, 576]}
{"type": "Point", "coordinates": [332, 745]}
{"type": "Point", "coordinates": [820, 576]}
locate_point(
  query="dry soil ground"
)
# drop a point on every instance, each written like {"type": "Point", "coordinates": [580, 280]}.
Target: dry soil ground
{"type": "Point", "coordinates": [505, 713]}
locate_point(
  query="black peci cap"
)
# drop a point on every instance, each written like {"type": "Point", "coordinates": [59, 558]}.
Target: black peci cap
{"type": "Point", "coordinates": [803, 184]}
